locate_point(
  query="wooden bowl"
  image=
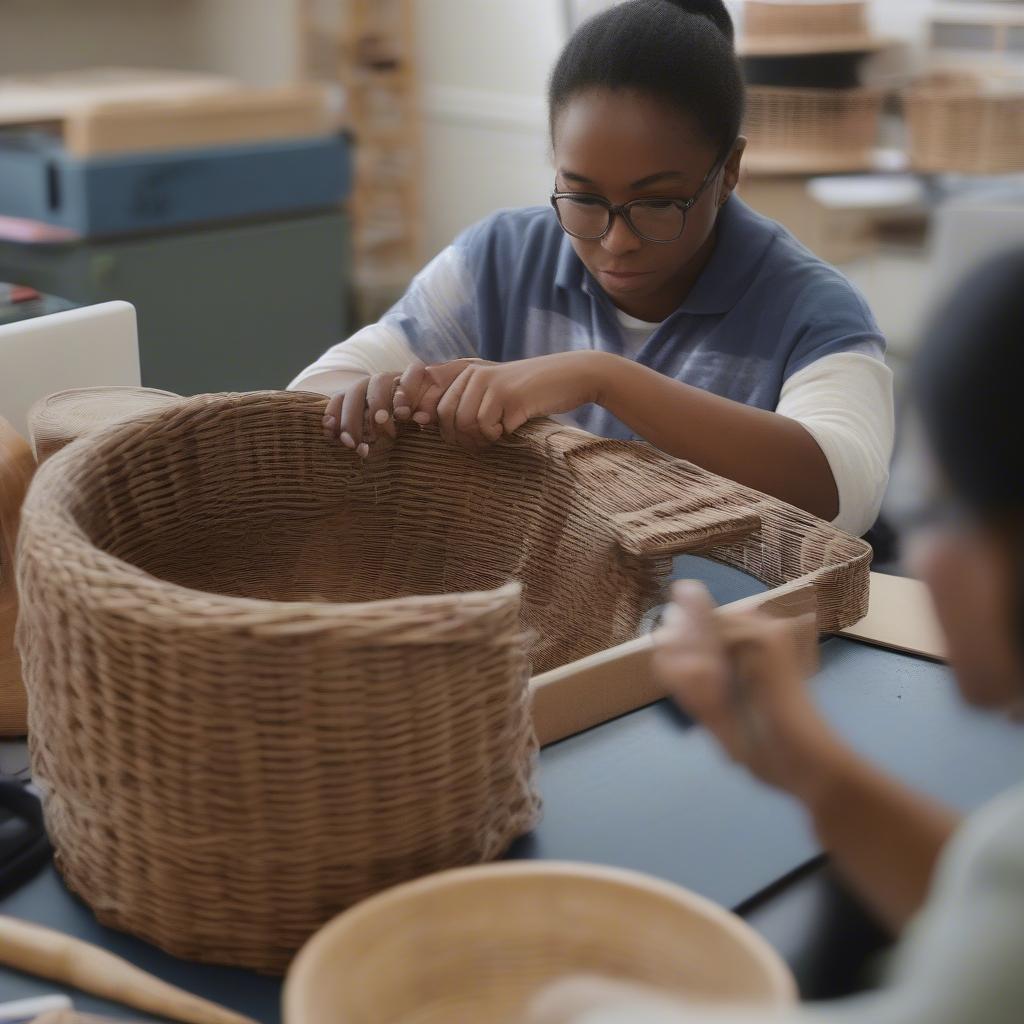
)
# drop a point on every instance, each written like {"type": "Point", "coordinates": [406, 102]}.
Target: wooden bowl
{"type": "Point", "coordinates": [478, 943]}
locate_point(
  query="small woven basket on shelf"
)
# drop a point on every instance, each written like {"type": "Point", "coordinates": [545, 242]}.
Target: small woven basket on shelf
{"type": "Point", "coordinates": [958, 124]}
{"type": "Point", "coordinates": [774, 27]}
{"type": "Point", "coordinates": [479, 944]}
{"type": "Point", "coordinates": [794, 130]}
{"type": "Point", "coordinates": [267, 679]}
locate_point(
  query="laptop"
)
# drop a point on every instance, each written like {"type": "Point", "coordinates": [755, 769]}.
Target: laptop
{"type": "Point", "coordinates": [92, 346]}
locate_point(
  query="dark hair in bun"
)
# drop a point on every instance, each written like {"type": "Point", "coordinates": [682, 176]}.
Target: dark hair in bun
{"type": "Point", "coordinates": [678, 51]}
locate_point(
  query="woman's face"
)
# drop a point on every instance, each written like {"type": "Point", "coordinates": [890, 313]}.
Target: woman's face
{"type": "Point", "coordinates": [972, 573]}
{"type": "Point", "coordinates": [625, 145]}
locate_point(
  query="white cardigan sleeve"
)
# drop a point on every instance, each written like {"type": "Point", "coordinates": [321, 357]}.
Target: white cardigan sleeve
{"type": "Point", "coordinates": [845, 401]}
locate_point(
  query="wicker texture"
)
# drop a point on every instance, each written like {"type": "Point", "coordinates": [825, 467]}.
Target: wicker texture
{"type": "Point", "coordinates": [16, 469]}
{"type": "Point", "coordinates": [958, 126]}
{"type": "Point", "coordinates": [811, 130]}
{"type": "Point", "coordinates": [63, 417]}
{"type": "Point", "coordinates": [478, 944]}
{"type": "Point", "coordinates": [267, 679]}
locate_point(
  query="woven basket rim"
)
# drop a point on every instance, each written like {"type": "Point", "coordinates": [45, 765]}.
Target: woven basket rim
{"type": "Point", "coordinates": [193, 606]}
{"type": "Point", "coordinates": [306, 959]}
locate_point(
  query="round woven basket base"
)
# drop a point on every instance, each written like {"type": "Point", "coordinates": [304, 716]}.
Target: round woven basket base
{"type": "Point", "coordinates": [479, 944]}
{"type": "Point", "coordinates": [63, 417]}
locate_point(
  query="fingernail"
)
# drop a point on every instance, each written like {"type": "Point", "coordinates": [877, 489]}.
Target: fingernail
{"type": "Point", "coordinates": [329, 421]}
{"type": "Point", "coordinates": [422, 418]}
{"type": "Point", "coordinates": [363, 450]}
{"type": "Point", "coordinates": [347, 439]}
{"type": "Point", "coordinates": [402, 412]}
{"type": "Point", "coordinates": [380, 416]}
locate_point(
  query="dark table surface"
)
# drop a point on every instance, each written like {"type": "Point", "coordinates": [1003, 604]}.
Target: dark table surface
{"type": "Point", "coordinates": [651, 791]}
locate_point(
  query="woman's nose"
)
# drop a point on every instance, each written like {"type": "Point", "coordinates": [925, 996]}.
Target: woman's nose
{"type": "Point", "coordinates": [621, 238]}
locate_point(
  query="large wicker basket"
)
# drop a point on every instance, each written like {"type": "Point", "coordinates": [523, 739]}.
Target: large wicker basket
{"type": "Point", "coordinates": [794, 130]}
{"type": "Point", "coordinates": [267, 679]}
{"type": "Point", "coordinates": [958, 125]}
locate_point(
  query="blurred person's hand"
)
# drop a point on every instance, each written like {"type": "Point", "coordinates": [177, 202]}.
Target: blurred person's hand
{"type": "Point", "coordinates": [749, 692]}
{"type": "Point", "coordinates": [593, 999]}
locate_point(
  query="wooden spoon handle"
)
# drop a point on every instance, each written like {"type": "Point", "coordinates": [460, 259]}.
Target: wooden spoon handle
{"type": "Point", "coordinates": [33, 949]}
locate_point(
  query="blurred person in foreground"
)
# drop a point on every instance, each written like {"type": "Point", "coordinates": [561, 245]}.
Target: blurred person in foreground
{"type": "Point", "coordinates": [953, 890]}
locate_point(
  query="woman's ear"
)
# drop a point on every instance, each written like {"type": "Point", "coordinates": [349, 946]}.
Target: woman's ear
{"type": "Point", "coordinates": [732, 171]}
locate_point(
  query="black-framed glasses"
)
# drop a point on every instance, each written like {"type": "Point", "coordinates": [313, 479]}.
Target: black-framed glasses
{"type": "Point", "coordinates": [660, 219]}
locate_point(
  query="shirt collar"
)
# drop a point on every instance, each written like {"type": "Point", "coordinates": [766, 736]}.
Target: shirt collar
{"type": "Point", "coordinates": [743, 238]}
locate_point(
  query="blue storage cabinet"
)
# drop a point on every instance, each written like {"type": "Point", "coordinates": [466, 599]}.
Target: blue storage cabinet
{"type": "Point", "coordinates": [134, 192]}
{"type": "Point", "coordinates": [223, 308]}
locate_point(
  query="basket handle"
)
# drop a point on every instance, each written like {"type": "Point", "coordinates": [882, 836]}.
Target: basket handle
{"type": "Point", "coordinates": [673, 527]}
{"type": "Point", "coordinates": [705, 515]}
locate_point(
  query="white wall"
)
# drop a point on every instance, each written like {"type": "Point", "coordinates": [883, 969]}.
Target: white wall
{"type": "Point", "coordinates": [57, 35]}
{"type": "Point", "coordinates": [253, 40]}
{"type": "Point", "coordinates": [483, 68]}
{"type": "Point", "coordinates": [256, 41]}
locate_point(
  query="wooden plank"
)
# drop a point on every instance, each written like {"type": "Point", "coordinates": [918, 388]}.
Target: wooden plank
{"type": "Point", "coordinates": [594, 690]}
{"type": "Point", "coordinates": [29, 99]}
{"type": "Point", "coordinates": [225, 118]}
{"type": "Point", "coordinates": [901, 617]}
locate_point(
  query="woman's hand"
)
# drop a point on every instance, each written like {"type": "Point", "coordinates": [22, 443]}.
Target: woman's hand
{"type": "Point", "coordinates": [362, 413]}
{"type": "Point", "coordinates": [476, 403]}
{"type": "Point", "coordinates": [742, 677]}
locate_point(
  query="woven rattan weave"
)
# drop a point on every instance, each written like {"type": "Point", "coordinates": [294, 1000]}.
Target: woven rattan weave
{"type": "Point", "coordinates": [794, 130]}
{"type": "Point", "coordinates": [963, 126]}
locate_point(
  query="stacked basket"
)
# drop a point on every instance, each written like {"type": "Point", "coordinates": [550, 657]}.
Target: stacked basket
{"type": "Point", "coordinates": [797, 120]}
{"type": "Point", "coordinates": [965, 124]}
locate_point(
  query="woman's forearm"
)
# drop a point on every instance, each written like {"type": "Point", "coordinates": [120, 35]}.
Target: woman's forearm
{"type": "Point", "coordinates": [760, 449]}
{"type": "Point", "coordinates": [885, 839]}
{"type": "Point", "coordinates": [329, 382]}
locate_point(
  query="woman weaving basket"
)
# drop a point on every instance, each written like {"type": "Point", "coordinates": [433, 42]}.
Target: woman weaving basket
{"type": "Point", "coordinates": [646, 301]}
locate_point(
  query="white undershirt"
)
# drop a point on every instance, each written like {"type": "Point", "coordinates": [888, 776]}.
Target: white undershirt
{"type": "Point", "coordinates": [634, 333]}
{"type": "Point", "coordinates": [844, 401]}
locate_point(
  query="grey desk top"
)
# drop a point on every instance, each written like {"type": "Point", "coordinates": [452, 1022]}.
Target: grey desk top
{"type": "Point", "coordinates": [652, 792]}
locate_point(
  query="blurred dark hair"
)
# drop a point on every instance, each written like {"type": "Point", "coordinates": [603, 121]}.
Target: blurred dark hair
{"type": "Point", "coordinates": [967, 386]}
{"type": "Point", "coordinates": [678, 51]}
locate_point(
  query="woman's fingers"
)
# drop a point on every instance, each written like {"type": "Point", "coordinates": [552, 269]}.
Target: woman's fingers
{"type": "Point", "coordinates": [379, 412]}
{"type": "Point", "coordinates": [448, 406]}
{"type": "Point", "coordinates": [489, 416]}
{"type": "Point", "coordinates": [353, 415]}
{"type": "Point", "coordinates": [331, 420]}
{"type": "Point", "coordinates": [412, 386]}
